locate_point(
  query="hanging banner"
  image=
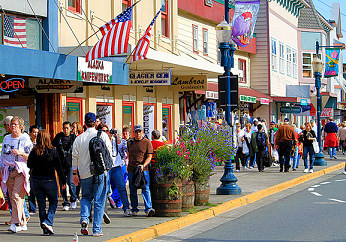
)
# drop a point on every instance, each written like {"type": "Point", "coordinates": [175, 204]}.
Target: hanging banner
{"type": "Point", "coordinates": [44, 85]}
{"type": "Point", "coordinates": [95, 71]}
{"type": "Point", "coordinates": [244, 20]}
{"type": "Point", "coordinates": [150, 78]}
{"type": "Point", "coordinates": [148, 120]}
{"type": "Point", "coordinates": [332, 62]}
{"type": "Point", "coordinates": [188, 83]}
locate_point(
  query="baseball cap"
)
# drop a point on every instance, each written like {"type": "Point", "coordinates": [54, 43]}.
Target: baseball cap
{"type": "Point", "coordinates": [255, 120]}
{"type": "Point", "coordinates": [90, 117]}
{"type": "Point", "coordinates": [138, 127]}
{"type": "Point", "coordinates": [6, 120]}
{"type": "Point", "coordinates": [272, 122]}
{"type": "Point", "coordinates": [286, 120]}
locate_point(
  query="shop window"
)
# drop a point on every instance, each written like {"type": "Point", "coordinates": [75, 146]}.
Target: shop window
{"type": "Point", "coordinates": [105, 112]}
{"type": "Point", "coordinates": [282, 58]}
{"type": "Point", "coordinates": [242, 68]}
{"type": "Point", "coordinates": [289, 60]}
{"type": "Point", "coordinates": [148, 119]}
{"type": "Point", "coordinates": [128, 115]}
{"type": "Point", "coordinates": [205, 41]}
{"type": "Point", "coordinates": [307, 67]}
{"type": "Point", "coordinates": [273, 55]}
{"type": "Point", "coordinates": [195, 38]}
{"type": "Point", "coordinates": [165, 19]}
{"type": "Point", "coordinates": [74, 110]}
{"type": "Point", "coordinates": [167, 122]}
{"type": "Point", "coordinates": [75, 5]}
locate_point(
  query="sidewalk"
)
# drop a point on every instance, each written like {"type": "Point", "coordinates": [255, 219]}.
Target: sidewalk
{"type": "Point", "coordinates": [67, 223]}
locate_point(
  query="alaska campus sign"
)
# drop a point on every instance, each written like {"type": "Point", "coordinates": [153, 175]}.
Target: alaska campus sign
{"type": "Point", "coordinates": [12, 84]}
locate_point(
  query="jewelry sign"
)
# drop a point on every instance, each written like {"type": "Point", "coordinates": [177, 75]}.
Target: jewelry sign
{"type": "Point", "coordinates": [150, 78]}
{"type": "Point", "coordinates": [189, 83]}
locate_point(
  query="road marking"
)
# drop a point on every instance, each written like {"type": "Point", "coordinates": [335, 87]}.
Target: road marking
{"type": "Point", "coordinates": [324, 183]}
{"type": "Point", "coordinates": [315, 185]}
{"type": "Point", "coordinates": [317, 194]}
{"type": "Point", "coordinates": [311, 189]}
{"type": "Point", "coordinates": [340, 180]}
{"type": "Point", "coordinates": [336, 200]}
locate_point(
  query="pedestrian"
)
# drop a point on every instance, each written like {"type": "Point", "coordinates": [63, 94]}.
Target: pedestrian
{"type": "Point", "coordinates": [271, 136]}
{"type": "Point", "coordinates": [342, 136]}
{"type": "Point", "coordinates": [15, 173]}
{"type": "Point", "coordinates": [285, 138]}
{"type": "Point", "coordinates": [63, 142]}
{"type": "Point", "coordinates": [77, 128]}
{"type": "Point", "coordinates": [313, 125]}
{"type": "Point", "coordinates": [331, 141]}
{"type": "Point", "coordinates": [264, 126]}
{"type": "Point", "coordinates": [254, 126]}
{"type": "Point", "coordinates": [244, 140]}
{"type": "Point", "coordinates": [43, 161]}
{"type": "Point", "coordinates": [140, 152]}
{"type": "Point", "coordinates": [295, 149]}
{"type": "Point", "coordinates": [6, 122]}
{"type": "Point", "coordinates": [260, 142]}
{"type": "Point", "coordinates": [308, 136]}
{"type": "Point", "coordinates": [126, 133]}
{"type": "Point", "coordinates": [93, 187]}
{"type": "Point", "coordinates": [33, 132]}
{"type": "Point", "coordinates": [156, 143]}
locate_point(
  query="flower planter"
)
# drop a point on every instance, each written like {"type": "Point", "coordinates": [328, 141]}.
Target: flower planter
{"type": "Point", "coordinates": [163, 203]}
{"type": "Point", "coordinates": [188, 196]}
{"type": "Point", "coordinates": [202, 194]}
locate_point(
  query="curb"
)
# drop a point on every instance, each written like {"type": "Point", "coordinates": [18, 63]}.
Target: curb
{"type": "Point", "coordinates": [179, 223]}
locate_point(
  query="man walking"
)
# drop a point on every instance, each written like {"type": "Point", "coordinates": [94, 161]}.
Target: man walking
{"type": "Point", "coordinates": [285, 136]}
{"type": "Point", "coordinates": [140, 152]}
{"type": "Point", "coordinates": [260, 141]}
{"type": "Point", "coordinates": [93, 187]}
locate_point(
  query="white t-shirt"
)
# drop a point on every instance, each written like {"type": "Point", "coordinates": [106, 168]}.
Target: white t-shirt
{"type": "Point", "coordinates": [22, 143]}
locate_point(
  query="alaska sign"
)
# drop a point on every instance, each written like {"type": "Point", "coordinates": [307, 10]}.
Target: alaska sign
{"type": "Point", "coordinates": [43, 85]}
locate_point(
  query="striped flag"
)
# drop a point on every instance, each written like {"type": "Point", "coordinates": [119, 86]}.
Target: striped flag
{"type": "Point", "coordinates": [115, 37]}
{"type": "Point", "coordinates": [143, 44]}
{"type": "Point", "coordinates": [14, 31]}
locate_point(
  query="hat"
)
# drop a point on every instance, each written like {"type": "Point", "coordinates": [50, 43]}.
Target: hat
{"type": "Point", "coordinates": [138, 127]}
{"type": "Point", "coordinates": [255, 120]}
{"type": "Point", "coordinates": [90, 117]}
{"type": "Point", "coordinates": [6, 120]}
{"type": "Point", "coordinates": [272, 122]}
{"type": "Point", "coordinates": [286, 120]}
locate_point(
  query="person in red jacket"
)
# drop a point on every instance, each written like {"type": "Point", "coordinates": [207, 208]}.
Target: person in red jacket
{"type": "Point", "coordinates": [155, 136]}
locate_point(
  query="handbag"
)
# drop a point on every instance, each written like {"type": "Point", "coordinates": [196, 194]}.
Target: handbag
{"type": "Point", "coordinates": [316, 147]}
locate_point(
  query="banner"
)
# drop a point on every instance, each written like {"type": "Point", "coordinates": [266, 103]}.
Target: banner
{"type": "Point", "coordinates": [332, 62]}
{"type": "Point", "coordinates": [188, 83]}
{"type": "Point", "coordinates": [244, 20]}
{"type": "Point", "coordinates": [148, 120]}
{"type": "Point", "coordinates": [150, 78]}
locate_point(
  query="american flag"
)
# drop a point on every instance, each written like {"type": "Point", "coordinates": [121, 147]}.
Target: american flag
{"type": "Point", "coordinates": [143, 44]}
{"type": "Point", "coordinates": [115, 37]}
{"type": "Point", "coordinates": [14, 31]}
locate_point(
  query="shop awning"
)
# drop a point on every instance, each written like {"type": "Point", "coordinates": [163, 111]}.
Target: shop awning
{"type": "Point", "coordinates": [289, 99]}
{"type": "Point", "coordinates": [252, 92]}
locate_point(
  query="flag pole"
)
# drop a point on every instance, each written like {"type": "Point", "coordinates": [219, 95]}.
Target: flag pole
{"type": "Point", "coordinates": [93, 34]}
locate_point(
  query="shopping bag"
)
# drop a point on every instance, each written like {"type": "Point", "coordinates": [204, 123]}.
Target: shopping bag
{"type": "Point", "coordinates": [275, 154]}
{"type": "Point", "coordinates": [316, 147]}
{"type": "Point", "coordinates": [246, 150]}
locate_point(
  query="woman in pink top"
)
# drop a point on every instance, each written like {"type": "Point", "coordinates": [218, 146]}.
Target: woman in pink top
{"type": "Point", "coordinates": [342, 136]}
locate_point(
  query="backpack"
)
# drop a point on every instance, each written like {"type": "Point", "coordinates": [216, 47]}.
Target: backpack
{"type": "Point", "coordinates": [101, 160]}
{"type": "Point", "coordinates": [261, 139]}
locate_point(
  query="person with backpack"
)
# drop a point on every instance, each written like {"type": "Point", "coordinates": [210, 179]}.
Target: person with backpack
{"type": "Point", "coordinates": [63, 142]}
{"type": "Point", "coordinates": [260, 142]}
{"type": "Point", "coordinates": [91, 156]}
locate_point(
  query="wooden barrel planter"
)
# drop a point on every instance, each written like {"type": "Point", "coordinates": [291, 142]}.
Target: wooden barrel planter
{"type": "Point", "coordinates": [188, 196]}
{"type": "Point", "coordinates": [163, 204]}
{"type": "Point", "coordinates": [202, 193]}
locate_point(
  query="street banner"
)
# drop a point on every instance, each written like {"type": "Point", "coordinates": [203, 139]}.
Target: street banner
{"type": "Point", "coordinates": [150, 78]}
{"type": "Point", "coordinates": [44, 85]}
{"type": "Point", "coordinates": [188, 83]}
{"type": "Point", "coordinates": [332, 62]}
{"type": "Point", "coordinates": [244, 20]}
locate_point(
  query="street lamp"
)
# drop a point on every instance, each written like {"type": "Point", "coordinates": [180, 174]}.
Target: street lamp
{"type": "Point", "coordinates": [227, 48]}
{"type": "Point", "coordinates": [317, 66]}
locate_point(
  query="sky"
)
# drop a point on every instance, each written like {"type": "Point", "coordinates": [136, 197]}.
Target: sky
{"type": "Point", "coordinates": [324, 8]}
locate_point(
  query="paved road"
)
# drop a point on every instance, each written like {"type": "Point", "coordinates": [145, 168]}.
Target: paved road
{"type": "Point", "coordinates": [316, 213]}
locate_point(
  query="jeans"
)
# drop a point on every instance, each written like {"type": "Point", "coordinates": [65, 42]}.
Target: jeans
{"type": "Point", "coordinates": [295, 158]}
{"type": "Point", "coordinates": [285, 154]}
{"type": "Point", "coordinates": [310, 150]}
{"type": "Point", "coordinates": [145, 193]}
{"type": "Point", "coordinates": [93, 191]}
{"type": "Point", "coordinates": [45, 187]}
{"type": "Point", "coordinates": [332, 152]}
{"type": "Point", "coordinates": [252, 160]}
{"type": "Point", "coordinates": [32, 201]}
{"type": "Point", "coordinates": [118, 179]}
{"type": "Point", "coordinates": [242, 157]}
{"type": "Point", "coordinates": [72, 188]}
{"type": "Point", "coordinates": [260, 158]}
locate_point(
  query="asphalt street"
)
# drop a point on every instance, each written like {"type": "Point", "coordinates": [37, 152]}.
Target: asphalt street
{"type": "Point", "coordinates": [316, 213]}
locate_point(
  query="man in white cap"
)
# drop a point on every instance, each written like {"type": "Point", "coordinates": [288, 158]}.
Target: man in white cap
{"type": "Point", "coordinates": [6, 122]}
{"type": "Point", "coordinates": [254, 126]}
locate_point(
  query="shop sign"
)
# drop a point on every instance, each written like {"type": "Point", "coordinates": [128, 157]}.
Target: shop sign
{"type": "Point", "coordinates": [337, 112]}
{"type": "Point", "coordinates": [189, 83]}
{"type": "Point", "coordinates": [150, 78]}
{"type": "Point", "coordinates": [327, 112]}
{"type": "Point", "coordinates": [265, 101]}
{"type": "Point", "coordinates": [211, 95]}
{"type": "Point", "coordinates": [148, 120]}
{"type": "Point", "coordinates": [12, 84]}
{"type": "Point", "coordinates": [42, 85]}
{"type": "Point", "coordinates": [247, 99]}
{"type": "Point", "coordinates": [95, 71]}
{"type": "Point", "coordinates": [288, 109]}
{"type": "Point", "coordinates": [73, 107]}
{"type": "Point", "coordinates": [303, 101]}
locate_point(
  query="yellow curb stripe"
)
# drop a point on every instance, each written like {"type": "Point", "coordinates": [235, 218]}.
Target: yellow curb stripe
{"type": "Point", "coordinates": [179, 223]}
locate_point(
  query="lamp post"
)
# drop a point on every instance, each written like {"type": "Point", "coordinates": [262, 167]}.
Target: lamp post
{"type": "Point", "coordinates": [317, 66]}
{"type": "Point", "coordinates": [227, 48]}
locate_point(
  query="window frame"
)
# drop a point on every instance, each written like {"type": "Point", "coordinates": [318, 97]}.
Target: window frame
{"type": "Point", "coordinates": [80, 102]}
{"type": "Point", "coordinates": [311, 56]}
{"type": "Point", "coordinates": [195, 50]}
{"type": "Point", "coordinates": [205, 41]}
{"type": "Point", "coordinates": [281, 58]}
{"type": "Point", "coordinates": [132, 104]}
{"type": "Point", "coordinates": [294, 63]}
{"type": "Point", "coordinates": [165, 16]}
{"type": "Point", "coordinates": [289, 60]}
{"type": "Point", "coordinates": [273, 55]}
{"type": "Point", "coordinates": [242, 64]}
{"type": "Point", "coordinates": [76, 9]}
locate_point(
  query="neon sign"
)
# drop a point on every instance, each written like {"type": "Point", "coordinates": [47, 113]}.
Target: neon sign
{"type": "Point", "coordinates": [12, 85]}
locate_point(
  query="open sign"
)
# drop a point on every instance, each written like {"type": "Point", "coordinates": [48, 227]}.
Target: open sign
{"type": "Point", "coordinates": [12, 85]}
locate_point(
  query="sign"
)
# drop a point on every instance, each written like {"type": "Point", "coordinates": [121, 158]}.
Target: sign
{"type": "Point", "coordinates": [105, 113]}
{"type": "Point", "coordinates": [327, 112]}
{"type": "Point", "coordinates": [150, 78]}
{"type": "Point", "coordinates": [337, 112]}
{"type": "Point", "coordinates": [265, 101]}
{"type": "Point", "coordinates": [12, 84]}
{"type": "Point", "coordinates": [303, 101]}
{"type": "Point", "coordinates": [188, 83]}
{"type": "Point", "coordinates": [332, 62]}
{"type": "Point", "coordinates": [73, 107]}
{"type": "Point", "coordinates": [148, 120]}
{"type": "Point", "coordinates": [95, 71]}
{"type": "Point", "coordinates": [247, 99]}
{"type": "Point", "coordinates": [211, 95]}
{"type": "Point", "coordinates": [287, 109]}
{"type": "Point", "coordinates": [42, 85]}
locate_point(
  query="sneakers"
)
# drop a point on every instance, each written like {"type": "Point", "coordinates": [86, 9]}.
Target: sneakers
{"type": "Point", "coordinates": [15, 229]}
{"type": "Point", "coordinates": [84, 229]}
{"type": "Point", "coordinates": [311, 171]}
{"type": "Point", "coordinates": [250, 167]}
{"type": "Point", "coordinates": [48, 228]}
{"type": "Point", "coordinates": [237, 170]}
{"type": "Point", "coordinates": [111, 202]}
{"type": "Point", "coordinates": [134, 214]}
{"type": "Point", "coordinates": [244, 168]}
{"type": "Point", "coordinates": [65, 208]}
{"type": "Point", "coordinates": [344, 172]}
{"type": "Point", "coordinates": [150, 212]}
{"type": "Point", "coordinates": [306, 170]}
{"type": "Point", "coordinates": [73, 205]}
{"type": "Point", "coordinates": [127, 213]}
{"type": "Point", "coordinates": [24, 228]}
{"type": "Point", "coordinates": [98, 234]}
{"type": "Point", "coordinates": [106, 218]}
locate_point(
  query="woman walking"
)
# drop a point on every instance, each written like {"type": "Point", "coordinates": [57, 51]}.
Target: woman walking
{"type": "Point", "coordinates": [308, 136]}
{"type": "Point", "coordinates": [342, 136]}
{"type": "Point", "coordinates": [43, 162]}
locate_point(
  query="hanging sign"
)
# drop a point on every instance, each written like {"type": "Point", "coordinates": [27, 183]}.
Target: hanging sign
{"type": "Point", "coordinates": [332, 62]}
{"type": "Point", "coordinates": [327, 112]}
{"type": "Point", "coordinates": [150, 78]}
{"type": "Point", "coordinates": [11, 84]}
{"type": "Point", "coordinates": [303, 101]}
{"type": "Point", "coordinates": [288, 109]}
{"type": "Point", "coordinates": [244, 20]}
{"type": "Point", "coordinates": [148, 120]}
{"type": "Point", "coordinates": [265, 101]}
{"type": "Point", "coordinates": [247, 99]}
{"type": "Point", "coordinates": [43, 85]}
{"type": "Point", "coordinates": [189, 83]}
{"type": "Point", "coordinates": [95, 71]}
